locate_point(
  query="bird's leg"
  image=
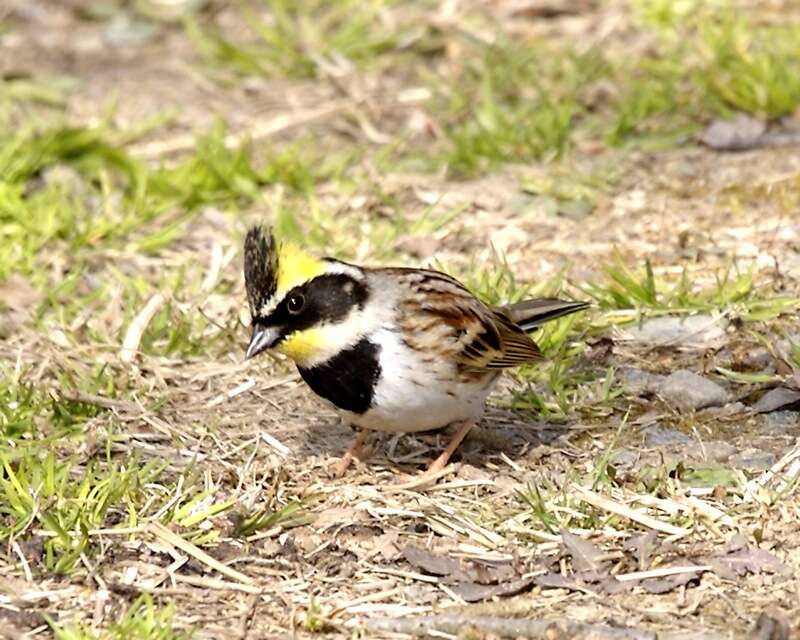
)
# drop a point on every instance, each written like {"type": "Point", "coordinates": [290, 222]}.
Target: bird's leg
{"type": "Point", "coordinates": [441, 462]}
{"type": "Point", "coordinates": [436, 468]}
{"type": "Point", "coordinates": [354, 452]}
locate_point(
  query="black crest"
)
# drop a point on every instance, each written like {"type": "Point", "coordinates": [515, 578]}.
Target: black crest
{"type": "Point", "coordinates": [260, 267]}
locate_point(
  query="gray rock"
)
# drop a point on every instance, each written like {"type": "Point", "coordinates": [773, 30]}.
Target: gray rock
{"type": "Point", "coordinates": [780, 422]}
{"type": "Point", "coordinates": [728, 410]}
{"type": "Point", "coordinates": [757, 359]}
{"type": "Point", "coordinates": [658, 436]}
{"type": "Point", "coordinates": [718, 450]}
{"type": "Point", "coordinates": [778, 398]}
{"type": "Point", "coordinates": [752, 460]}
{"type": "Point", "coordinates": [625, 458]}
{"type": "Point", "coordinates": [687, 390]}
{"type": "Point", "coordinates": [733, 408]}
{"type": "Point", "coordinates": [694, 634]}
{"type": "Point", "coordinates": [739, 133]}
{"type": "Point", "coordinates": [692, 331]}
{"type": "Point", "coordinates": [638, 381]}
{"type": "Point", "coordinates": [125, 30]}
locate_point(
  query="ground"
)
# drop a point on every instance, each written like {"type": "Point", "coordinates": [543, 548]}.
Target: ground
{"type": "Point", "coordinates": [156, 485]}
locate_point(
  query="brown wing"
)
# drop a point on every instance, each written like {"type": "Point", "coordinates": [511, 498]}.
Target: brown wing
{"type": "Point", "coordinates": [440, 315]}
{"type": "Point", "coordinates": [518, 347]}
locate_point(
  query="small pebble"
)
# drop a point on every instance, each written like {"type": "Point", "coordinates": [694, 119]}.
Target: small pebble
{"type": "Point", "coordinates": [757, 359]}
{"type": "Point", "coordinates": [658, 436]}
{"type": "Point", "coordinates": [780, 423]}
{"type": "Point", "coordinates": [777, 398]}
{"type": "Point", "coordinates": [752, 460]}
{"type": "Point", "coordinates": [687, 390]}
{"type": "Point", "coordinates": [718, 450]}
{"type": "Point", "coordinates": [692, 331]}
{"type": "Point", "coordinates": [638, 381]}
{"type": "Point", "coordinates": [625, 458]}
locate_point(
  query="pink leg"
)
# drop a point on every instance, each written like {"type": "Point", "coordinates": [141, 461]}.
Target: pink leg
{"type": "Point", "coordinates": [437, 468]}
{"type": "Point", "coordinates": [353, 453]}
{"type": "Point", "coordinates": [441, 462]}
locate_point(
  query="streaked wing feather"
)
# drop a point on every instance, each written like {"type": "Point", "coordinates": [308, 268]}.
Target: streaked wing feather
{"type": "Point", "coordinates": [518, 347]}
{"type": "Point", "coordinates": [477, 337]}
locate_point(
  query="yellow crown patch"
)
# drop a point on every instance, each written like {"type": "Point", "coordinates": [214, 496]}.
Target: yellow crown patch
{"type": "Point", "coordinates": [296, 267]}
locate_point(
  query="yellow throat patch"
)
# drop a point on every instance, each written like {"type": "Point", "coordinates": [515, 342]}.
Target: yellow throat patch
{"type": "Point", "coordinates": [303, 346]}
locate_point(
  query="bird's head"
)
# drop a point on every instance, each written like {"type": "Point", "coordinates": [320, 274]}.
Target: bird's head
{"type": "Point", "coordinates": [305, 307]}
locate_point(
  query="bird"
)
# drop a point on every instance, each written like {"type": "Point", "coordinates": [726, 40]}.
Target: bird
{"type": "Point", "coordinates": [393, 349]}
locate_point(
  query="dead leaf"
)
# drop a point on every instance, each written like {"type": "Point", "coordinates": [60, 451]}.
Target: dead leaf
{"type": "Point", "coordinates": [489, 573]}
{"type": "Point", "coordinates": [747, 560]}
{"type": "Point", "coordinates": [18, 299]}
{"type": "Point", "coordinates": [642, 547]}
{"type": "Point", "coordinates": [770, 628]}
{"type": "Point", "coordinates": [585, 555]}
{"type": "Point", "coordinates": [432, 563]}
{"type": "Point", "coordinates": [385, 546]}
{"type": "Point", "coordinates": [422, 247]}
{"type": "Point", "coordinates": [547, 10]}
{"type": "Point", "coordinates": [600, 351]}
{"type": "Point", "coordinates": [18, 294]}
{"type": "Point", "coordinates": [572, 583]}
{"type": "Point", "coordinates": [612, 586]}
{"type": "Point", "coordinates": [668, 583]}
{"type": "Point", "coordinates": [779, 398]}
{"type": "Point", "coordinates": [737, 541]}
{"type": "Point", "coordinates": [334, 517]}
{"type": "Point", "coordinates": [456, 571]}
{"type": "Point", "coordinates": [721, 569]}
{"type": "Point", "coordinates": [473, 592]}
{"type": "Point", "coordinates": [557, 581]}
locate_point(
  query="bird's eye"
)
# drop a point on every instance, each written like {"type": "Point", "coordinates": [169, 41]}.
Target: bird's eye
{"type": "Point", "coordinates": [295, 303]}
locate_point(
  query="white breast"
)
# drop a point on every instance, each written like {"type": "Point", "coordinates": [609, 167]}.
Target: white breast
{"type": "Point", "coordinates": [416, 396]}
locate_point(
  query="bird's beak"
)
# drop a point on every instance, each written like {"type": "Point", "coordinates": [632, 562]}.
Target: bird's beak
{"type": "Point", "coordinates": [262, 338]}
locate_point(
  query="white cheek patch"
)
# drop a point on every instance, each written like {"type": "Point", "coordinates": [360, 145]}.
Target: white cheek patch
{"type": "Point", "coordinates": [330, 339]}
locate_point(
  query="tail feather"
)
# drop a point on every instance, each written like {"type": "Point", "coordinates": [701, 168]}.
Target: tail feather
{"type": "Point", "coordinates": [529, 314]}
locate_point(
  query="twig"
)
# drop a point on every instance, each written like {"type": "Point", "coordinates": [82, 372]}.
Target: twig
{"type": "Point", "coordinates": [213, 270]}
{"type": "Point", "coordinates": [215, 583]}
{"type": "Point", "coordinates": [228, 395]}
{"type": "Point", "coordinates": [130, 346]}
{"type": "Point", "coordinates": [98, 401]}
{"type": "Point", "coordinates": [276, 444]}
{"type": "Point", "coordinates": [506, 627]}
{"type": "Point", "coordinates": [120, 531]}
{"type": "Point", "coordinates": [172, 538]}
{"type": "Point", "coordinates": [187, 142]}
{"type": "Point", "coordinates": [370, 597]}
{"type": "Point", "coordinates": [23, 561]}
{"type": "Point", "coordinates": [247, 618]}
{"type": "Point", "coordinates": [606, 504]}
{"type": "Point", "coordinates": [660, 573]}
{"type": "Point", "coordinates": [766, 477]}
{"type": "Point", "coordinates": [420, 482]}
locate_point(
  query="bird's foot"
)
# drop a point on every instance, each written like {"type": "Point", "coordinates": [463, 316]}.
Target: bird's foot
{"type": "Point", "coordinates": [441, 462]}
{"type": "Point", "coordinates": [439, 467]}
{"type": "Point", "coordinates": [355, 452]}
